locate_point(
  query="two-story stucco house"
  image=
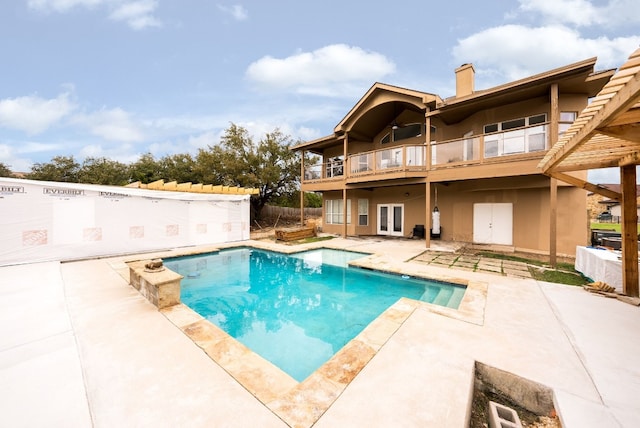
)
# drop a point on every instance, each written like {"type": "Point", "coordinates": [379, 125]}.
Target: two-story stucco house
{"type": "Point", "coordinates": [401, 154]}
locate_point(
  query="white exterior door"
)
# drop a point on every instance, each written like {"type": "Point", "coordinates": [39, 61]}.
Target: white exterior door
{"type": "Point", "coordinates": [493, 223]}
{"type": "Point", "coordinates": [391, 219]}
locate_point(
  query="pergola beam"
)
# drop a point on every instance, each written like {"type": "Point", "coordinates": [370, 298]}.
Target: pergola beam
{"type": "Point", "coordinates": [576, 182]}
{"type": "Point", "coordinates": [613, 105]}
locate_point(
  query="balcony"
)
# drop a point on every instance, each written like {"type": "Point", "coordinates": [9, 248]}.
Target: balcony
{"type": "Point", "coordinates": [395, 159]}
{"type": "Point", "coordinates": [411, 160]}
{"type": "Point", "coordinates": [490, 147]}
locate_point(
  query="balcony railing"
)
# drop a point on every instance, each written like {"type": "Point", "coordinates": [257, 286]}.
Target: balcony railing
{"type": "Point", "coordinates": [468, 150]}
{"type": "Point", "coordinates": [477, 148]}
{"type": "Point", "coordinates": [394, 158]}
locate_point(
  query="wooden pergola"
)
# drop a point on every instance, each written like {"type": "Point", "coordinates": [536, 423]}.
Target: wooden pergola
{"type": "Point", "coordinates": [607, 134]}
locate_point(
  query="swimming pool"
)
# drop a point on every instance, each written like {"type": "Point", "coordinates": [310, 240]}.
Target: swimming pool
{"type": "Point", "coordinates": [298, 310]}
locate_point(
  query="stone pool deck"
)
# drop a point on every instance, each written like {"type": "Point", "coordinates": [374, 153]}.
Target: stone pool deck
{"type": "Point", "coordinates": [79, 347]}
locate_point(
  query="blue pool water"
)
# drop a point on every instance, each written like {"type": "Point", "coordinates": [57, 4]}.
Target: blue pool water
{"type": "Point", "coordinates": [298, 310]}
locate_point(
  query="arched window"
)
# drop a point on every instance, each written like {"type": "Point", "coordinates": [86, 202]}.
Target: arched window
{"type": "Point", "coordinates": [406, 131]}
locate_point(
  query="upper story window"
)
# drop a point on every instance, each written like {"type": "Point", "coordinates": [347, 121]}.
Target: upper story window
{"type": "Point", "coordinates": [566, 119]}
{"type": "Point", "coordinates": [404, 132]}
{"type": "Point", "coordinates": [515, 123]}
{"type": "Point", "coordinates": [522, 135]}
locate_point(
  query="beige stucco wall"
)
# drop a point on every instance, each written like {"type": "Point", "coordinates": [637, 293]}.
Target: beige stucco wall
{"type": "Point", "coordinates": [455, 201]}
{"type": "Point", "coordinates": [531, 107]}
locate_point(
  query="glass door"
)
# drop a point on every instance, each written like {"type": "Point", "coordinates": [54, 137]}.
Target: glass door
{"type": "Point", "coordinates": [391, 219]}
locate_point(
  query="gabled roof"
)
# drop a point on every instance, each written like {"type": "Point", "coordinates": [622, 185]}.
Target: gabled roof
{"type": "Point", "coordinates": [607, 131]}
{"type": "Point", "coordinates": [382, 93]}
{"type": "Point", "coordinates": [576, 78]}
{"type": "Point", "coordinates": [378, 107]}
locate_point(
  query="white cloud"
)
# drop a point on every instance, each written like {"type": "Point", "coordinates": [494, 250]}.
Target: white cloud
{"type": "Point", "coordinates": [584, 13]}
{"type": "Point", "coordinates": [125, 153]}
{"type": "Point", "coordinates": [237, 11]}
{"type": "Point", "coordinates": [112, 125]}
{"type": "Point", "coordinates": [17, 155]}
{"type": "Point", "coordinates": [61, 5]}
{"type": "Point", "coordinates": [334, 70]}
{"type": "Point", "coordinates": [514, 51]}
{"type": "Point", "coordinates": [137, 14]}
{"type": "Point", "coordinates": [576, 12]}
{"type": "Point", "coordinates": [204, 140]}
{"type": "Point", "coordinates": [33, 114]}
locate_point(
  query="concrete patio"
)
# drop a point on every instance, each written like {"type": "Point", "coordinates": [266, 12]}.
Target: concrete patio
{"type": "Point", "coordinates": [79, 347]}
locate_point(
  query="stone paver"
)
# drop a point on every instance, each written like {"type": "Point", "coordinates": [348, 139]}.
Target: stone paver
{"type": "Point", "coordinates": [490, 268]}
{"type": "Point", "coordinates": [473, 262]}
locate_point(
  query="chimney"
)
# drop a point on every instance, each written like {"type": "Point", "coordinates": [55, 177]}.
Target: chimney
{"type": "Point", "coordinates": [464, 80]}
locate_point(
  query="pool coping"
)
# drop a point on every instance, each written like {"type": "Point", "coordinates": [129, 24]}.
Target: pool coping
{"type": "Point", "coordinates": [301, 404]}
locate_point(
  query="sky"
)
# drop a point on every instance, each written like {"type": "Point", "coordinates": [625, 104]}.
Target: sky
{"type": "Point", "coordinates": [120, 78]}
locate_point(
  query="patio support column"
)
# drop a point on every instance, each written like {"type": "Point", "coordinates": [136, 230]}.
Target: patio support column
{"type": "Point", "coordinates": [344, 185]}
{"type": "Point", "coordinates": [428, 137]}
{"type": "Point", "coordinates": [553, 185]}
{"type": "Point", "coordinates": [427, 220]}
{"type": "Point", "coordinates": [553, 221]}
{"type": "Point", "coordinates": [629, 230]}
{"type": "Point", "coordinates": [427, 194]}
{"type": "Point", "coordinates": [301, 192]}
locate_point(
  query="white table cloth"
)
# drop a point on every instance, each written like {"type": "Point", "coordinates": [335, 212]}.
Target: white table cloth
{"type": "Point", "coordinates": [600, 265]}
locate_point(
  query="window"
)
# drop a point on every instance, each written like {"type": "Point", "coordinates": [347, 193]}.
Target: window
{"type": "Point", "coordinates": [512, 124]}
{"type": "Point", "coordinates": [334, 211]}
{"type": "Point", "coordinates": [407, 131]}
{"type": "Point", "coordinates": [516, 136]}
{"type": "Point", "coordinates": [363, 212]}
{"type": "Point", "coordinates": [403, 132]}
{"type": "Point", "coordinates": [566, 119]}
{"type": "Point", "coordinates": [334, 167]}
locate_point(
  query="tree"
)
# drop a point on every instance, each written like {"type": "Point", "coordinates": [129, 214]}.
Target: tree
{"type": "Point", "coordinates": [179, 167]}
{"type": "Point", "coordinates": [292, 200]}
{"type": "Point", "coordinates": [5, 171]}
{"type": "Point", "coordinates": [269, 165]}
{"type": "Point", "coordinates": [103, 171]}
{"type": "Point", "coordinates": [145, 170]}
{"type": "Point", "coordinates": [61, 168]}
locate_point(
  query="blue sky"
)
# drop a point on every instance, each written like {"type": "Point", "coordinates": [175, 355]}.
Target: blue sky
{"type": "Point", "coordinates": [119, 78]}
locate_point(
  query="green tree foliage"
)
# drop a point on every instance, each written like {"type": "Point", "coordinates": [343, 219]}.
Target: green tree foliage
{"type": "Point", "coordinates": [103, 171]}
{"type": "Point", "coordinates": [268, 165]}
{"type": "Point", "coordinates": [5, 171]}
{"type": "Point", "coordinates": [146, 169]}
{"type": "Point", "coordinates": [61, 168]}
{"type": "Point", "coordinates": [312, 200]}
{"type": "Point", "coordinates": [179, 167]}
{"type": "Point", "coordinates": [292, 200]}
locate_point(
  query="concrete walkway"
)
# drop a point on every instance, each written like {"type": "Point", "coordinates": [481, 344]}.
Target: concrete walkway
{"type": "Point", "coordinates": [79, 347]}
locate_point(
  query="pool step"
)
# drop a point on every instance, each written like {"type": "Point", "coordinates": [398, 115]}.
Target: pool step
{"type": "Point", "coordinates": [443, 297]}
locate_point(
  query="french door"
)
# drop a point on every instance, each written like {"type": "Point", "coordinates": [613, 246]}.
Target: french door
{"type": "Point", "coordinates": [391, 219]}
{"type": "Point", "coordinates": [493, 223]}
